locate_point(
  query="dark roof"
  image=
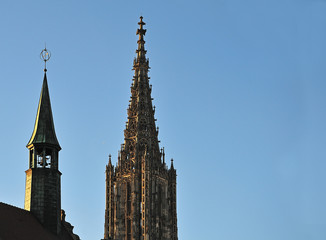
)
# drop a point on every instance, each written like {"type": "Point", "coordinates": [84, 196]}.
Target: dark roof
{"type": "Point", "coordinates": [44, 132]}
{"type": "Point", "coordinates": [19, 224]}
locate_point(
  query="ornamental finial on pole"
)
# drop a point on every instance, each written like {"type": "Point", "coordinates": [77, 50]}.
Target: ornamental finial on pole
{"type": "Point", "coordinates": [141, 31]}
{"type": "Point", "coordinates": [45, 56]}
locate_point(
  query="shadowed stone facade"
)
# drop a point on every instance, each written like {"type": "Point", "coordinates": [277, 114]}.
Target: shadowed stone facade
{"type": "Point", "coordinates": [141, 189]}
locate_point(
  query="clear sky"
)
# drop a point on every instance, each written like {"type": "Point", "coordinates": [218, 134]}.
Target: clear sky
{"type": "Point", "coordinates": [240, 92]}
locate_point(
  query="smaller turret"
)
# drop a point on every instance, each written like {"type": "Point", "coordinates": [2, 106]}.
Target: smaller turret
{"type": "Point", "coordinates": [43, 191]}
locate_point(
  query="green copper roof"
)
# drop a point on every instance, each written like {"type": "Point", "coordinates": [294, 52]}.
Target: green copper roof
{"type": "Point", "coordinates": [44, 132]}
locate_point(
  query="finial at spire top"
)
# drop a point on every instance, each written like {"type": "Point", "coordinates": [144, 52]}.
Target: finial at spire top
{"type": "Point", "coordinates": [45, 56]}
{"type": "Point", "coordinates": [141, 23]}
{"type": "Point", "coordinates": [141, 31]}
{"type": "Point", "coordinates": [141, 52]}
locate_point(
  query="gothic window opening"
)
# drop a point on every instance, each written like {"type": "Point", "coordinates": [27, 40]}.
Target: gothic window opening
{"type": "Point", "coordinates": [128, 193]}
{"type": "Point", "coordinates": [142, 147]}
{"type": "Point", "coordinates": [141, 106]}
{"type": "Point", "coordinates": [44, 159]}
{"type": "Point", "coordinates": [159, 200]}
{"type": "Point", "coordinates": [128, 229]}
{"type": "Point", "coordinates": [128, 199]}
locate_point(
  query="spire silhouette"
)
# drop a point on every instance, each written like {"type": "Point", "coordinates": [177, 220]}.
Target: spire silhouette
{"type": "Point", "coordinates": [141, 132]}
{"type": "Point", "coordinates": [44, 131]}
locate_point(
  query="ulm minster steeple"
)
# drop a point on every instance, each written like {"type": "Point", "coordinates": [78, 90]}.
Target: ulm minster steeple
{"type": "Point", "coordinates": [141, 189]}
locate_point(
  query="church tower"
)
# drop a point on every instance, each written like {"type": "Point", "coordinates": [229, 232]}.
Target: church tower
{"type": "Point", "coordinates": [42, 193]}
{"type": "Point", "coordinates": [141, 189]}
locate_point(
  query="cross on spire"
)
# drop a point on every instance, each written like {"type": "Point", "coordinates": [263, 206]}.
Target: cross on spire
{"type": "Point", "coordinates": [141, 31]}
{"type": "Point", "coordinates": [141, 43]}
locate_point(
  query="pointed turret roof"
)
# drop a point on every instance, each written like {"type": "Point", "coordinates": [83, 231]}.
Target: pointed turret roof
{"type": "Point", "coordinates": [44, 132]}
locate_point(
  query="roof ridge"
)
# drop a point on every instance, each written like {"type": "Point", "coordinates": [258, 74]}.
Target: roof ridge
{"type": "Point", "coordinates": [9, 205]}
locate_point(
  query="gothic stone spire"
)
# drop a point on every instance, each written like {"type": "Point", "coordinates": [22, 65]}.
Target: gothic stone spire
{"type": "Point", "coordinates": [140, 132]}
{"type": "Point", "coordinates": [141, 190]}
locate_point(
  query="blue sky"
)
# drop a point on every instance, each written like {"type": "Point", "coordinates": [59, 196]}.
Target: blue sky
{"type": "Point", "coordinates": [239, 88]}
